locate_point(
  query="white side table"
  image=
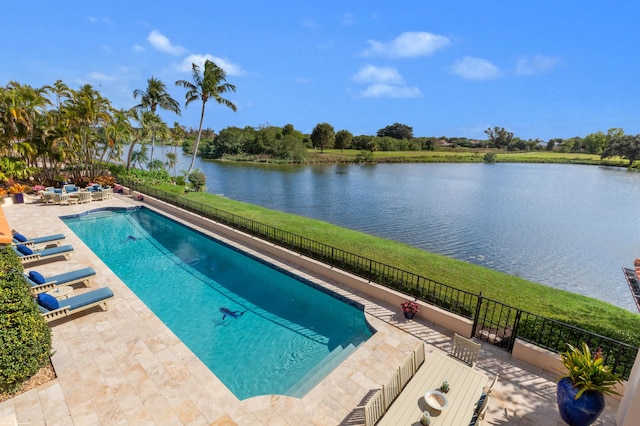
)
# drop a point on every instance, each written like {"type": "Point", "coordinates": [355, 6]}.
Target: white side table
{"type": "Point", "coordinates": [61, 292]}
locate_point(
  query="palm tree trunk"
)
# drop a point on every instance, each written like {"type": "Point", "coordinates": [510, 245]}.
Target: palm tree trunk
{"type": "Point", "coordinates": [195, 148]}
{"type": "Point", "coordinates": [153, 142]}
{"type": "Point", "coordinates": [130, 154]}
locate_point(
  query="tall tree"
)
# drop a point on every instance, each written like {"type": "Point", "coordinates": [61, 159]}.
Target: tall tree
{"type": "Point", "coordinates": [155, 96]}
{"type": "Point", "coordinates": [499, 137]}
{"type": "Point", "coordinates": [625, 146]}
{"type": "Point", "coordinates": [323, 136]}
{"type": "Point", "coordinates": [343, 139]}
{"type": "Point", "coordinates": [211, 84]}
{"type": "Point", "coordinates": [397, 131]}
{"type": "Point", "coordinates": [86, 112]}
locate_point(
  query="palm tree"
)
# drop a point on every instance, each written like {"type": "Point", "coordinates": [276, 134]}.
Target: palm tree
{"type": "Point", "coordinates": [172, 161]}
{"type": "Point", "coordinates": [211, 84]}
{"type": "Point", "coordinates": [117, 133]}
{"type": "Point", "coordinates": [155, 96]}
{"type": "Point", "coordinates": [151, 126]}
{"type": "Point", "coordinates": [87, 111]}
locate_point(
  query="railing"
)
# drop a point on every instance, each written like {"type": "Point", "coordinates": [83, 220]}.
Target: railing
{"type": "Point", "coordinates": [494, 321]}
{"type": "Point", "coordinates": [501, 324]}
{"type": "Point", "coordinates": [554, 335]}
{"type": "Point", "coordinates": [377, 405]}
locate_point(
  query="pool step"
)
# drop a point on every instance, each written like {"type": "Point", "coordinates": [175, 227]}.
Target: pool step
{"type": "Point", "coordinates": [315, 376]}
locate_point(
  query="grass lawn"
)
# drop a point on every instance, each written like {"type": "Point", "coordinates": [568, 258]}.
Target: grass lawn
{"type": "Point", "coordinates": [465, 155]}
{"type": "Point", "coordinates": [564, 306]}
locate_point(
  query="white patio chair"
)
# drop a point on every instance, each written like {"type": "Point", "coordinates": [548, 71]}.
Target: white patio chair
{"type": "Point", "coordinates": [84, 197]}
{"type": "Point", "coordinates": [465, 350]}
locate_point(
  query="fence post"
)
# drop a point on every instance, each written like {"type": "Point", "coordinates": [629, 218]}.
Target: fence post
{"type": "Point", "coordinates": [514, 332]}
{"type": "Point", "coordinates": [476, 316]}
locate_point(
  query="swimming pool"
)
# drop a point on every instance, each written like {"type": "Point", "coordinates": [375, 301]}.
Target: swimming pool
{"type": "Point", "coordinates": [290, 336]}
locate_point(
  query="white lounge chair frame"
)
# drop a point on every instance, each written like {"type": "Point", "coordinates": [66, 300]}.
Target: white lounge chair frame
{"type": "Point", "coordinates": [43, 288]}
{"type": "Point", "coordinates": [465, 350]}
{"type": "Point", "coordinates": [65, 311]}
{"type": "Point", "coordinates": [36, 256]}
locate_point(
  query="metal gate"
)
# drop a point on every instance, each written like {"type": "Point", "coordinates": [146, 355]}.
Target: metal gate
{"type": "Point", "coordinates": [496, 323]}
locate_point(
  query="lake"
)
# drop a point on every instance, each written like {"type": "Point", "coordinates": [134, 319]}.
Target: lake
{"type": "Point", "coordinates": [570, 227]}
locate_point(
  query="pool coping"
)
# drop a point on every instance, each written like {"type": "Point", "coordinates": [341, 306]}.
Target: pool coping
{"type": "Point", "coordinates": [269, 263]}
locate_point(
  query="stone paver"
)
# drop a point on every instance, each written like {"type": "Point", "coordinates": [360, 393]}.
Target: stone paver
{"type": "Point", "coordinates": [123, 366]}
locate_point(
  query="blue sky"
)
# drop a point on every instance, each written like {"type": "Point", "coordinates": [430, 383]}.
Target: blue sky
{"type": "Point", "coordinates": [539, 69]}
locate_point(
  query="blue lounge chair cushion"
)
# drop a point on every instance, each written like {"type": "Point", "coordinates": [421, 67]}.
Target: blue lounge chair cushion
{"type": "Point", "coordinates": [55, 250]}
{"type": "Point", "coordinates": [24, 250]}
{"type": "Point", "coordinates": [72, 275]}
{"type": "Point", "coordinates": [37, 277]}
{"type": "Point", "coordinates": [47, 238]}
{"type": "Point", "coordinates": [48, 301]}
{"type": "Point", "coordinates": [20, 238]}
{"type": "Point", "coordinates": [87, 298]}
{"type": "Point", "coordinates": [57, 191]}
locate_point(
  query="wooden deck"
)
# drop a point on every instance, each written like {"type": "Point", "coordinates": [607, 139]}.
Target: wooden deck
{"type": "Point", "coordinates": [466, 388]}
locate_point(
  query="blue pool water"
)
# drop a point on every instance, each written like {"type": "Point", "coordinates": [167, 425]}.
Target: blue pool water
{"type": "Point", "coordinates": [291, 334]}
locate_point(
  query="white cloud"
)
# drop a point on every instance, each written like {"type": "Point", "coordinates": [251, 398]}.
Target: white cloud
{"type": "Point", "coordinates": [476, 69]}
{"type": "Point", "coordinates": [229, 67]}
{"type": "Point", "coordinates": [138, 48]}
{"type": "Point", "coordinates": [390, 91]}
{"type": "Point", "coordinates": [384, 82]}
{"type": "Point", "coordinates": [100, 76]}
{"type": "Point", "coordinates": [163, 44]}
{"type": "Point", "coordinates": [408, 45]}
{"type": "Point", "coordinates": [373, 74]}
{"type": "Point", "coordinates": [535, 65]}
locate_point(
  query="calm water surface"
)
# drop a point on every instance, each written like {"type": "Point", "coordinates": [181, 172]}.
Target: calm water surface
{"type": "Point", "coordinates": [571, 227]}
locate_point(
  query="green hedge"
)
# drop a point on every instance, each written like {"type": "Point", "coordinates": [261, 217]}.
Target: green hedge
{"type": "Point", "coordinates": [25, 337]}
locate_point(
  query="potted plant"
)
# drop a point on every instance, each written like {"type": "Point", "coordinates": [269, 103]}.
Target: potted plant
{"type": "Point", "coordinates": [409, 308]}
{"type": "Point", "coordinates": [581, 389]}
{"type": "Point", "coordinates": [17, 190]}
{"type": "Point", "coordinates": [3, 195]}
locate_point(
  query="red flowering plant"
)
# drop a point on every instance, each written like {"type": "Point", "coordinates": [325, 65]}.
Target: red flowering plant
{"type": "Point", "coordinates": [410, 306]}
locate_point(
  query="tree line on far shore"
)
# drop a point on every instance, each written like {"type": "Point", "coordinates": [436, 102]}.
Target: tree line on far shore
{"type": "Point", "coordinates": [43, 130]}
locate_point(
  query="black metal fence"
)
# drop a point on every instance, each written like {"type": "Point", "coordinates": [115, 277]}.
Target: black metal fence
{"type": "Point", "coordinates": [494, 322]}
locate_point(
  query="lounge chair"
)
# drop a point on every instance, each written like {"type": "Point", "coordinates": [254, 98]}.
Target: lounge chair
{"type": "Point", "coordinates": [28, 255]}
{"type": "Point", "coordinates": [52, 309]}
{"type": "Point", "coordinates": [47, 240]}
{"type": "Point", "coordinates": [40, 284]}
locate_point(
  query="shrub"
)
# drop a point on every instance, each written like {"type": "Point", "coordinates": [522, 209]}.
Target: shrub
{"type": "Point", "coordinates": [25, 337]}
{"type": "Point", "coordinates": [364, 156]}
{"type": "Point", "coordinates": [82, 181]}
{"type": "Point", "coordinates": [198, 180]}
{"type": "Point", "coordinates": [105, 180]}
{"type": "Point", "coordinates": [489, 157]}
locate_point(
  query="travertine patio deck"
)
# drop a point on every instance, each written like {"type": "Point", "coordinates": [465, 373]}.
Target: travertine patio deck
{"type": "Point", "coordinates": [123, 366]}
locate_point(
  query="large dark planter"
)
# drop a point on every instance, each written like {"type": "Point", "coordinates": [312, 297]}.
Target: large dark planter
{"type": "Point", "coordinates": [578, 412]}
{"type": "Point", "coordinates": [409, 314]}
{"type": "Point", "coordinates": [18, 198]}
